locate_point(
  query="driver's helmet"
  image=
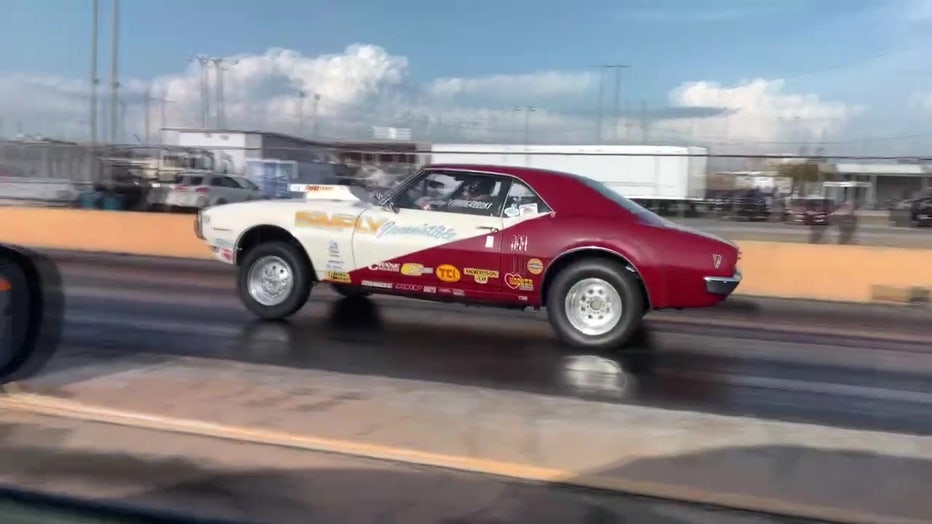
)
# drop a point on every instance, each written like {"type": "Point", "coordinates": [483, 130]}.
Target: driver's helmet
{"type": "Point", "coordinates": [479, 188]}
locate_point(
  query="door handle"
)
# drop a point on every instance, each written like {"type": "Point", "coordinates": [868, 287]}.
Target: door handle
{"type": "Point", "coordinates": [489, 228]}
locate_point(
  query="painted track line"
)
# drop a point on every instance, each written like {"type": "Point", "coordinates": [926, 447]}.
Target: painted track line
{"type": "Point", "coordinates": [16, 400]}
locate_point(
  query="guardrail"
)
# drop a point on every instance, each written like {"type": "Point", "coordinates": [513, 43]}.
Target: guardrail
{"type": "Point", "coordinates": [841, 273]}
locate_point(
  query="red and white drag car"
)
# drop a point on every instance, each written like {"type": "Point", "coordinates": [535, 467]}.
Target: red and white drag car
{"type": "Point", "coordinates": [491, 235]}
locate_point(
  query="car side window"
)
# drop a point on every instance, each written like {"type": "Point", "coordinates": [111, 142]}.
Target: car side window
{"type": "Point", "coordinates": [523, 201]}
{"type": "Point", "coordinates": [455, 192]}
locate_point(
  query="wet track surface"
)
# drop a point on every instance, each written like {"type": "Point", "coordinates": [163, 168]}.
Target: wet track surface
{"type": "Point", "coordinates": [818, 365]}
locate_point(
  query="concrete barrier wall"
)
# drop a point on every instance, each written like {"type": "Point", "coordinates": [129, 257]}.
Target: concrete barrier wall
{"type": "Point", "coordinates": [771, 269]}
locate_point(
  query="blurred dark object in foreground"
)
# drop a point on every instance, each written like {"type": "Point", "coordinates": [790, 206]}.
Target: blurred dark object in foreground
{"type": "Point", "coordinates": [32, 311]}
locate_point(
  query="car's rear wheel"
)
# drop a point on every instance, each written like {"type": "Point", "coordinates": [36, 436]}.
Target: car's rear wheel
{"type": "Point", "coordinates": [595, 304]}
{"type": "Point", "coordinates": [274, 280]}
{"type": "Point", "coordinates": [350, 291]}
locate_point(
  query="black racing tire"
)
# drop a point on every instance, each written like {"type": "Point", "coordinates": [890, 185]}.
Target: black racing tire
{"type": "Point", "coordinates": [616, 275]}
{"type": "Point", "coordinates": [350, 291]}
{"type": "Point", "coordinates": [301, 275]}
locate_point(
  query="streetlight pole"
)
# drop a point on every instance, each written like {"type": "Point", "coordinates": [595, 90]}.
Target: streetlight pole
{"type": "Point", "coordinates": [301, 96]}
{"type": "Point", "coordinates": [221, 64]}
{"type": "Point", "coordinates": [617, 101]}
{"type": "Point", "coordinates": [316, 102]}
{"type": "Point", "coordinates": [94, 79]}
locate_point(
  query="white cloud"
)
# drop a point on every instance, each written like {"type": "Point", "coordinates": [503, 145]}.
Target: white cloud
{"type": "Point", "coordinates": [366, 86]}
{"type": "Point", "coordinates": [759, 112]}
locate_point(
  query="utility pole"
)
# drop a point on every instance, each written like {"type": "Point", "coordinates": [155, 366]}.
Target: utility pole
{"type": "Point", "coordinates": [114, 73]}
{"type": "Point", "coordinates": [146, 105]}
{"type": "Point", "coordinates": [527, 115]}
{"type": "Point", "coordinates": [316, 102]}
{"type": "Point", "coordinates": [94, 79]}
{"type": "Point", "coordinates": [601, 99]}
{"type": "Point", "coordinates": [644, 122]}
{"type": "Point", "coordinates": [301, 96]}
{"type": "Point", "coordinates": [205, 86]}
{"type": "Point", "coordinates": [617, 68]}
{"type": "Point", "coordinates": [221, 64]}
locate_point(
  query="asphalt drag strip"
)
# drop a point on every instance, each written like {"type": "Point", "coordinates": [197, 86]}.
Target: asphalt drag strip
{"type": "Point", "coordinates": [805, 417]}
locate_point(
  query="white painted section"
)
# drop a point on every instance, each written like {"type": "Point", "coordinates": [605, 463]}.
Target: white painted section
{"type": "Point", "coordinates": [344, 249]}
{"type": "Point", "coordinates": [637, 172]}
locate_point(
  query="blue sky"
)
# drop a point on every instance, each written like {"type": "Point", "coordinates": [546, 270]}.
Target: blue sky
{"type": "Point", "coordinates": [857, 52]}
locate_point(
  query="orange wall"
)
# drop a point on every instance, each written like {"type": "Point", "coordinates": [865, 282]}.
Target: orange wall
{"type": "Point", "coordinates": [774, 269]}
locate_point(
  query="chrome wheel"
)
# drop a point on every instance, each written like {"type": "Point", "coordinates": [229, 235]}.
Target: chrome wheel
{"type": "Point", "coordinates": [593, 306]}
{"type": "Point", "coordinates": [270, 281]}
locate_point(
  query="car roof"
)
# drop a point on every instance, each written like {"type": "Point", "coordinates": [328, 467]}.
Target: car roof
{"type": "Point", "coordinates": [566, 193]}
{"type": "Point", "coordinates": [531, 175]}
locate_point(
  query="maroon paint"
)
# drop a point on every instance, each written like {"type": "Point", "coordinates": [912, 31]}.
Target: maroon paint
{"type": "Point", "coordinates": [671, 260]}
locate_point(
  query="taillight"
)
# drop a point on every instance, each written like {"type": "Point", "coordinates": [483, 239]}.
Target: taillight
{"type": "Point", "coordinates": [201, 189]}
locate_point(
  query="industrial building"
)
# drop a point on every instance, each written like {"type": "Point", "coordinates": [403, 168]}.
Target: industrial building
{"type": "Point", "coordinates": [233, 147]}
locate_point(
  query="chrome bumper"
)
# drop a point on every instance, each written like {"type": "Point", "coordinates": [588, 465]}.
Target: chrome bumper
{"type": "Point", "coordinates": [722, 285]}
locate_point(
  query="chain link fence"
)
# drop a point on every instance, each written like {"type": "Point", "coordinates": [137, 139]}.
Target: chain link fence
{"type": "Point", "coordinates": [158, 178]}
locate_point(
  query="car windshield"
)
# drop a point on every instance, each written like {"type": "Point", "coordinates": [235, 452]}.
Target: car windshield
{"type": "Point", "coordinates": [629, 205]}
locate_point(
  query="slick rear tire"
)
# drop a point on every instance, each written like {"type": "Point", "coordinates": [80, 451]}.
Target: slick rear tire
{"type": "Point", "coordinates": [285, 257]}
{"type": "Point", "coordinates": [605, 278]}
{"type": "Point", "coordinates": [350, 291]}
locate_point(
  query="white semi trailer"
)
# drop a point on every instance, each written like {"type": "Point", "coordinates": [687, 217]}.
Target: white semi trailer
{"type": "Point", "coordinates": [655, 176]}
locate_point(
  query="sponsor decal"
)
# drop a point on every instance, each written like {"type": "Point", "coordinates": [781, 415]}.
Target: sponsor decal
{"type": "Point", "coordinates": [335, 265]}
{"type": "Point", "coordinates": [413, 269]}
{"type": "Point", "coordinates": [434, 231]}
{"type": "Point", "coordinates": [333, 248]}
{"type": "Point", "coordinates": [408, 287]}
{"type": "Point", "coordinates": [527, 209]}
{"type": "Point", "coordinates": [469, 204]}
{"type": "Point", "coordinates": [220, 242]}
{"type": "Point", "coordinates": [227, 254]}
{"type": "Point", "coordinates": [448, 273]}
{"type": "Point", "coordinates": [337, 221]}
{"type": "Point", "coordinates": [516, 281]}
{"type": "Point", "coordinates": [481, 276]}
{"type": "Point", "coordinates": [512, 211]}
{"type": "Point", "coordinates": [338, 276]}
{"type": "Point", "coordinates": [716, 260]}
{"type": "Point", "coordinates": [458, 293]}
{"type": "Point", "coordinates": [535, 266]}
{"type": "Point", "coordinates": [430, 289]}
{"type": "Point", "coordinates": [522, 298]}
{"type": "Point", "coordinates": [490, 241]}
{"type": "Point", "coordinates": [385, 266]}
{"type": "Point", "coordinates": [372, 283]}
{"type": "Point", "coordinates": [316, 189]}
{"type": "Point", "coordinates": [445, 290]}
{"type": "Point", "coordinates": [519, 243]}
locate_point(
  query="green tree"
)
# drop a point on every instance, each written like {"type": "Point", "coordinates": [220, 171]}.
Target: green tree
{"type": "Point", "coordinates": [800, 173]}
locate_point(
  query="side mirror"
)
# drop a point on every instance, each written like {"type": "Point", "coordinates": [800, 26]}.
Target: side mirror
{"type": "Point", "coordinates": [390, 205]}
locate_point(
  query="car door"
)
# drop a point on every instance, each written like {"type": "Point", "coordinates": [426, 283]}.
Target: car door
{"type": "Point", "coordinates": [524, 240]}
{"type": "Point", "coordinates": [434, 236]}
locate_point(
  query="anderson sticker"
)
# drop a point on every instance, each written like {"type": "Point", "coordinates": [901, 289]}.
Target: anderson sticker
{"type": "Point", "coordinates": [535, 266]}
{"type": "Point", "coordinates": [481, 276]}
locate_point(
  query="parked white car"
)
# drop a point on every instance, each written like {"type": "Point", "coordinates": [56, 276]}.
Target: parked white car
{"type": "Point", "coordinates": [197, 191]}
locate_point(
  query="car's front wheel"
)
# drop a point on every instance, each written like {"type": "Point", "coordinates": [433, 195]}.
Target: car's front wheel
{"type": "Point", "coordinates": [595, 304]}
{"type": "Point", "coordinates": [274, 280]}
